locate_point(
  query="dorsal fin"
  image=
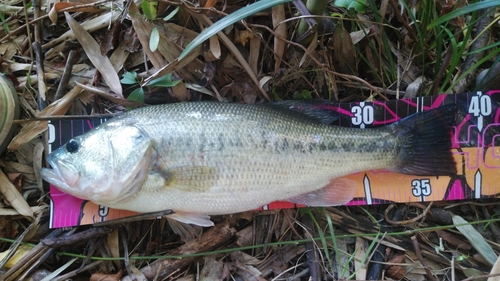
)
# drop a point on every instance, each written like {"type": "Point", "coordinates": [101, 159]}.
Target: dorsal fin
{"type": "Point", "coordinates": [316, 109]}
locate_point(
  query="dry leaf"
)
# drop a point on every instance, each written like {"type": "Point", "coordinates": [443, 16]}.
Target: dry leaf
{"type": "Point", "coordinates": [214, 52]}
{"type": "Point", "coordinates": [142, 29]}
{"type": "Point", "coordinates": [454, 240]}
{"type": "Point", "coordinates": [78, 7]}
{"type": "Point", "coordinates": [357, 36]}
{"type": "Point", "coordinates": [279, 17]}
{"type": "Point", "coordinates": [495, 270]}
{"type": "Point", "coordinates": [139, 276]}
{"type": "Point", "coordinates": [114, 246]}
{"type": "Point", "coordinates": [449, 6]}
{"type": "Point", "coordinates": [16, 179]}
{"type": "Point", "coordinates": [20, 253]}
{"type": "Point", "coordinates": [360, 254]}
{"type": "Point", "coordinates": [212, 269]}
{"type": "Point", "coordinates": [37, 163]}
{"type": "Point", "coordinates": [246, 271]}
{"type": "Point", "coordinates": [33, 129]}
{"type": "Point", "coordinates": [119, 56]}
{"type": "Point", "coordinates": [93, 51]}
{"type": "Point", "coordinates": [90, 25]}
{"type": "Point", "coordinates": [15, 198]}
{"type": "Point", "coordinates": [396, 271]}
{"type": "Point", "coordinates": [253, 58]}
{"type": "Point", "coordinates": [106, 277]}
{"type": "Point", "coordinates": [111, 38]}
{"type": "Point", "coordinates": [130, 41]}
{"type": "Point", "coordinates": [243, 37]}
{"type": "Point", "coordinates": [107, 96]}
{"type": "Point", "coordinates": [12, 212]}
{"type": "Point", "coordinates": [343, 52]}
{"type": "Point", "coordinates": [414, 87]}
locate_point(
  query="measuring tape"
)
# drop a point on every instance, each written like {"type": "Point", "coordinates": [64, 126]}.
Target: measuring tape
{"type": "Point", "coordinates": [476, 149]}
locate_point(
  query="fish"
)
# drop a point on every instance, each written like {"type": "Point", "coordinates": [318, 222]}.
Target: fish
{"type": "Point", "coordinates": [209, 158]}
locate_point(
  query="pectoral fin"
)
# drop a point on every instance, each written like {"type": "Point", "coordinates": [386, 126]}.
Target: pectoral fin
{"type": "Point", "coordinates": [188, 178]}
{"type": "Point", "coordinates": [338, 192]}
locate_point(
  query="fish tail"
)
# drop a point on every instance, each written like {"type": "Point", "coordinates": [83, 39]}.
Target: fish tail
{"type": "Point", "coordinates": [426, 144]}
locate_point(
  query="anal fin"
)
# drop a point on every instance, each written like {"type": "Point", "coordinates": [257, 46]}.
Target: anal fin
{"type": "Point", "coordinates": [192, 218]}
{"type": "Point", "coordinates": [186, 231]}
{"type": "Point", "coordinates": [338, 191]}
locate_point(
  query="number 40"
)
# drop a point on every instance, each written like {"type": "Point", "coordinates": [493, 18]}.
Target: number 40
{"type": "Point", "coordinates": [480, 105]}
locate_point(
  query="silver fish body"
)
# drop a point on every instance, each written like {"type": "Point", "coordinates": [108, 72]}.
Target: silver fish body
{"type": "Point", "coordinates": [210, 158]}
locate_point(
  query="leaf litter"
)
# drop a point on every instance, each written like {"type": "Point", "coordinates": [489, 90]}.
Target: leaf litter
{"type": "Point", "coordinates": [389, 55]}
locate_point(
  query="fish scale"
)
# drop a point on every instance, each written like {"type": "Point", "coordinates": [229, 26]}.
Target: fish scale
{"type": "Point", "coordinates": [207, 158]}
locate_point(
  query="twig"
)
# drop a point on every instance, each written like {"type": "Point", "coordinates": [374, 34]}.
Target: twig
{"type": "Point", "coordinates": [444, 65]}
{"type": "Point", "coordinates": [126, 252]}
{"type": "Point", "coordinates": [35, 253]}
{"type": "Point", "coordinates": [215, 237]}
{"type": "Point", "coordinates": [138, 217]}
{"type": "Point", "coordinates": [44, 255]}
{"type": "Point", "coordinates": [415, 219]}
{"type": "Point", "coordinates": [37, 48]}
{"type": "Point", "coordinates": [28, 31]}
{"type": "Point", "coordinates": [237, 55]}
{"type": "Point", "coordinates": [412, 34]}
{"type": "Point", "coordinates": [481, 277]}
{"type": "Point", "coordinates": [78, 237]}
{"type": "Point", "coordinates": [13, 248]}
{"type": "Point", "coordinates": [416, 247]}
{"type": "Point", "coordinates": [68, 68]}
{"type": "Point", "coordinates": [483, 35]}
{"type": "Point", "coordinates": [68, 275]}
{"type": "Point", "coordinates": [311, 249]}
{"type": "Point", "coordinates": [40, 72]}
{"type": "Point", "coordinates": [63, 117]}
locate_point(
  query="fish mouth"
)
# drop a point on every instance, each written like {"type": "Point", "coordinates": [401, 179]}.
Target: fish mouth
{"type": "Point", "coordinates": [63, 175]}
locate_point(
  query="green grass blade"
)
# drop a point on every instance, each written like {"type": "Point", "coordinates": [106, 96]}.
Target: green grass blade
{"type": "Point", "coordinates": [321, 236]}
{"type": "Point", "coordinates": [230, 19]}
{"type": "Point", "coordinates": [465, 10]}
{"type": "Point", "coordinates": [334, 241]}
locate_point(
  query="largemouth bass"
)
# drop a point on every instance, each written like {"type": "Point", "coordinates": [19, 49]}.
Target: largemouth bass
{"type": "Point", "coordinates": [208, 158]}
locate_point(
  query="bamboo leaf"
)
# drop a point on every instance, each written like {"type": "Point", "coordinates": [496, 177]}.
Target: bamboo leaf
{"type": "Point", "coordinates": [93, 51]}
{"type": "Point", "coordinates": [165, 81]}
{"type": "Point", "coordinates": [15, 198]}
{"type": "Point", "coordinates": [172, 14]}
{"type": "Point", "coordinates": [154, 40]}
{"type": "Point", "coordinates": [475, 238]}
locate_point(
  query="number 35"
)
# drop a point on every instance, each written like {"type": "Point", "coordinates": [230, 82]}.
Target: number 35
{"type": "Point", "coordinates": [421, 187]}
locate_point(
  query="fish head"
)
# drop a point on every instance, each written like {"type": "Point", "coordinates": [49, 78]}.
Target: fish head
{"type": "Point", "coordinates": [106, 165]}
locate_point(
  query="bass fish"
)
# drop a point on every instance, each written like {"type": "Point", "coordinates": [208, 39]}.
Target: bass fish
{"type": "Point", "coordinates": [208, 158]}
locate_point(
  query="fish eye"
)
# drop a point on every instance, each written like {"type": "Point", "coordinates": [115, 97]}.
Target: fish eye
{"type": "Point", "coordinates": [72, 146]}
